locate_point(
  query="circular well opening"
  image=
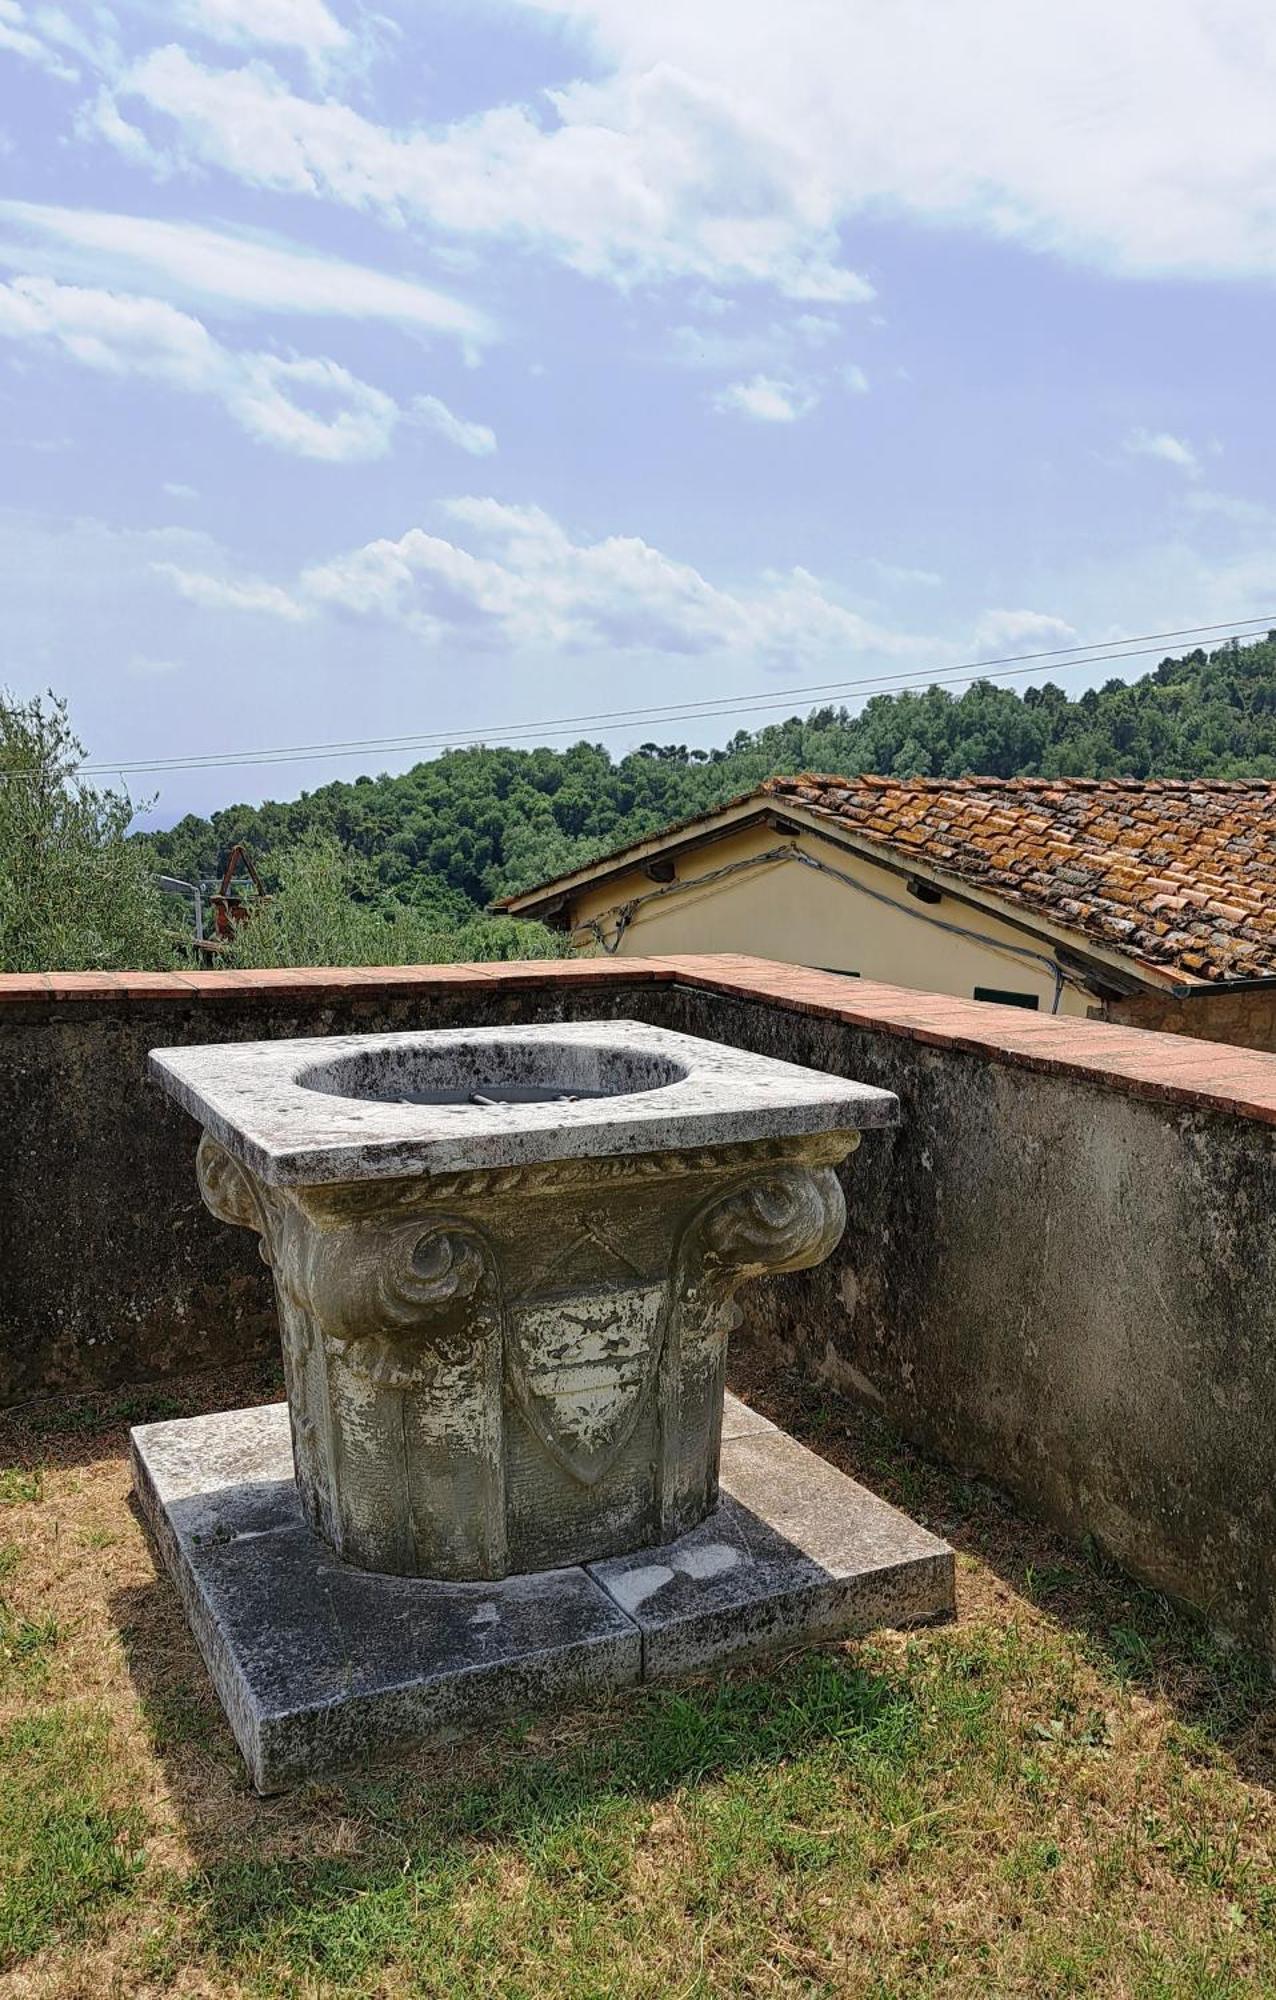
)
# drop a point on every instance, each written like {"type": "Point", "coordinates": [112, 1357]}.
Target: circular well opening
{"type": "Point", "coordinates": [487, 1074]}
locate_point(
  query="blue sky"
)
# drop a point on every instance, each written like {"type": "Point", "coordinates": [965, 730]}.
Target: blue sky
{"type": "Point", "coordinates": [440, 367]}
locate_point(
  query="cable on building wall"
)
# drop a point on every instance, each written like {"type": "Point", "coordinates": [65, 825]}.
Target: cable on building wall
{"type": "Point", "coordinates": [625, 913]}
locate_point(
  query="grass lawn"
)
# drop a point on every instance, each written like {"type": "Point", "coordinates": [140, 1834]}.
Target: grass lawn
{"type": "Point", "coordinates": [1067, 1791]}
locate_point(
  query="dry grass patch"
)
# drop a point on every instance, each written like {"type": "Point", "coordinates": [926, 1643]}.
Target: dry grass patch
{"type": "Point", "coordinates": [1068, 1791]}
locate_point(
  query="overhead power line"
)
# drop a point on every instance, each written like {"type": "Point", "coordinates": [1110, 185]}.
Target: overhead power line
{"type": "Point", "coordinates": [1098, 653]}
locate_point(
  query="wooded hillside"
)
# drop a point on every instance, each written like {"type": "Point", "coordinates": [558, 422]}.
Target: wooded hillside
{"type": "Point", "coordinates": [479, 823]}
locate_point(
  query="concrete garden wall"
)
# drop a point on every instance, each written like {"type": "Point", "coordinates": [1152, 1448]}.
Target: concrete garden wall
{"type": "Point", "coordinates": [1059, 1271]}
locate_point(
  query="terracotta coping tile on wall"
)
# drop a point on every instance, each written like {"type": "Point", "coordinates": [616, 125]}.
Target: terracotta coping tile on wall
{"type": "Point", "coordinates": [153, 985]}
{"type": "Point", "coordinates": [25, 985]}
{"type": "Point", "coordinates": [1133, 1059]}
{"type": "Point", "coordinates": [97, 986]}
{"type": "Point", "coordinates": [1184, 1069]}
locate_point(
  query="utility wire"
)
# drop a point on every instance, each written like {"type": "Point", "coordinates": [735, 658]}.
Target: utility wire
{"type": "Point", "coordinates": [1098, 653]}
{"type": "Point", "coordinates": [665, 711]}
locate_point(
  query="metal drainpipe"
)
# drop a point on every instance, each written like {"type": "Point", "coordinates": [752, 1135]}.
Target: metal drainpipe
{"type": "Point", "coordinates": [172, 887]}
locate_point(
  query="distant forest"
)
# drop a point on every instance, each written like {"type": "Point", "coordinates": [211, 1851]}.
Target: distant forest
{"type": "Point", "coordinates": [450, 835]}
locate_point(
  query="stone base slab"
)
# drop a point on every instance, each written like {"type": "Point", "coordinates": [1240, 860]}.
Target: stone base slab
{"type": "Point", "coordinates": [321, 1667]}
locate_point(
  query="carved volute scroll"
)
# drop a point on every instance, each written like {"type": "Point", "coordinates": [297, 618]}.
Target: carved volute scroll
{"type": "Point", "coordinates": [783, 1217]}
{"type": "Point", "coordinates": [783, 1221]}
{"type": "Point", "coordinates": [231, 1192]}
{"type": "Point", "coordinates": [394, 1296]}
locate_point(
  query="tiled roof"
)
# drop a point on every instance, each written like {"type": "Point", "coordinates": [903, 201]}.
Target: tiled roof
{"type": "Point", "coordinates": [1178, 873]}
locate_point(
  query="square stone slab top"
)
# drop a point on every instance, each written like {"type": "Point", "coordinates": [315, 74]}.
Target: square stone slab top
{"type": "Point", "coordinates": [322, 1668]}
{"type": "Point", "coordinates": [356, 1107]}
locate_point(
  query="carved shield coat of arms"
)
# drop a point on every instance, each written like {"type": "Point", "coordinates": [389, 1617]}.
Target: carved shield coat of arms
{"type": "Point", "coordinates": [581, 1357]}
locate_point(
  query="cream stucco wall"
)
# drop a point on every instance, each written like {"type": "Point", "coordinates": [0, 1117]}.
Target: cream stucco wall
{"type": "Point", "coordinates": [784, 910]}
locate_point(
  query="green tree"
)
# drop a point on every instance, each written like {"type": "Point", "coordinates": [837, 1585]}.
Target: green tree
{"type": "Point", "coordinates": [480, 823]}
{"type": "Point", "coordinates": [76, 894]}
{"type": "Point", "coordinates": [314, 918]}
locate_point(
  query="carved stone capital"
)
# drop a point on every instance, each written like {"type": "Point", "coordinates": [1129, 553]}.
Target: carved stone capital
{"type": "Point", "coordinates": [522, 1368]}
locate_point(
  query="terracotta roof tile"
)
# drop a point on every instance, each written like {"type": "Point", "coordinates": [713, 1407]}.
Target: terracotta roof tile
{"type": "Point", "coordinates": [1108, 857]}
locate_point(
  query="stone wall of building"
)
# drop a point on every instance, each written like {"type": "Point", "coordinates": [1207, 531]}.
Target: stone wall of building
{"type": "Point", "coordinates": [1246, 1020]}
{"type": "Point", "coordinates": [1059, 1271]}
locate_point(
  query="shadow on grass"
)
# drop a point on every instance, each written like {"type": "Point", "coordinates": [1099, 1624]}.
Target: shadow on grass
{"type": "Point", "coordinates": [503, 1857]}
{"type": "Point", "coordinates": [1222, 1693]}
{"type": "Point", "coordinates": [432, 1843]}
{"type": "Point", "coordinates": [83, 1429]}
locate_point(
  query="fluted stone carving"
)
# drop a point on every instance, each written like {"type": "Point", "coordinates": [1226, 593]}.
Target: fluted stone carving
{"type": "Point", "coordinates": [522, 1367]}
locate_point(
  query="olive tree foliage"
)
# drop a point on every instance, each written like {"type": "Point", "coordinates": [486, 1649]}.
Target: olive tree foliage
{"type": "Point", "coordinates": [315, 917]}
{"type": "Point", "coordinates": [76, 895]}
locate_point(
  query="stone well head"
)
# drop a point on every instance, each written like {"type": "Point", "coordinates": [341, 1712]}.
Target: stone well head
{"type": "Point", "coordinates": [506, 1262]}
{"type": "Point", "coordinates": [508, 1067]}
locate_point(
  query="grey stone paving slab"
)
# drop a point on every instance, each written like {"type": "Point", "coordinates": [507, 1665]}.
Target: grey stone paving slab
{"type": "Point", "coordinates": [796, 1553]}
{"type": "Point", "coordinates": [322, 1667]}
{"type": "Point", "coordinates": [353, 1107]}
{"type": "Point", "coordinates": [738, 1420]}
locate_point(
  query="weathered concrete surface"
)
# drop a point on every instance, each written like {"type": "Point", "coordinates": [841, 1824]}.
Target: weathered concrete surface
{"type": "Point", "coordinates": [321, 1667]}
{"type": "Point", "coordinates": [505, 1324]}
{"type": "Point", "coordinates": [1062, 1288]}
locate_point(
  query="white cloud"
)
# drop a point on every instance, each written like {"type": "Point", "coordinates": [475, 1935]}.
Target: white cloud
{"type": "Point", "coordinates": [1164, 445]}
{"type": "Point", "coordinates": [779, 368]}
{"type": "Point", "coordinates": [178, 490]}
{"type": "Point", "coordinates": [897, 573]}
{"type": "Point", "coordinates": [1135, 138]}
{"type": "Point", "coordinates": [100, 117]}
{"type": "Point", "coordinates": [217, 593]}
{"type": "Point", "coordinates": [307, 25]}
{"type": "Point", "coordinates": [210, 264]}
{"type": "Point", "coordinates": [765, 399]}
{"type": "Point", "coordinates": [777, 348]}
{"type": "Point", "coordinates": [655, 177]}
{"type": "Point", "coordinates": [1002, 633]}
{"type": "Point", "coordinates": [264, 394]}
{"type": "Point", "coordinates": [18, 37]}
{"type": "Point", "coordinates": [48, 36]}
{"type": "Point", "coordinates": [509, 577]}
{"type": "Point", "coordinates": [265, 400]}
{"type": "Point", "coordinates": [477, 439]}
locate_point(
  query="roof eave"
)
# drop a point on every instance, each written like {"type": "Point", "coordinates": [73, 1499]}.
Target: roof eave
{"type": "Point", "coordinates": [1129, 970]}
{"type": "Point", "coordinates": [749, 808]}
